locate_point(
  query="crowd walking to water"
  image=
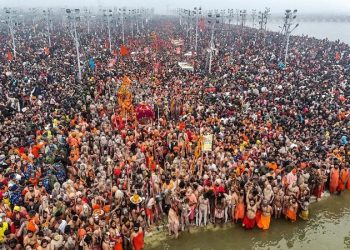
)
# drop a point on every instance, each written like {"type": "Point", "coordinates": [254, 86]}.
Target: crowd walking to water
{"type": "Point", "coordinates": [99, 163]}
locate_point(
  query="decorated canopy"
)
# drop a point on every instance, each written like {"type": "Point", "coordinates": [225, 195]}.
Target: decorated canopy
{"type": "Point", "coordinates": [144, 111]}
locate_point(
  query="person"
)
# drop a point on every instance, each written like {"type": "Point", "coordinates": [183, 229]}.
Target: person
{"type": "Point", "coordinates": [278, 202]}
{"type": "Point", "coordinates": [203, 208]}
{"type": "Point", "coordinates": [219, 208]}
{"type": "Point", "coordinates": [252, 207]}
{"type": "Point", "coordinates": [292, 209]}
{"type": "Point", "coordinates": [265, 218]}
{"type": "Point", "coordinates": [137, 238]}
{"type": "Point", "coordinates": [4, 229]}
{"type": "Point", "coordinates": [120, 146]}
{"type": "Point", "coordinates": [343, 178]}
{"type": "Point", "coordinates": [304, 208]}
{"type": "Point", "coordinates": [334, 179]}
{"type": "Point", "coordinates": [173, 221]}
{"type": "Point", "coordinates": [240, 208]}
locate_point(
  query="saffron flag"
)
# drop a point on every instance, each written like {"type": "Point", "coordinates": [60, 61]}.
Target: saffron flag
{"type": "Point", "coordinates": [9, 56]}
{"type": "Point", "coordinates": [337, 56]}
{"type": "Point", "coordinates": [47, 51]}
{"type": "Point", "coordinates": [124, 50]}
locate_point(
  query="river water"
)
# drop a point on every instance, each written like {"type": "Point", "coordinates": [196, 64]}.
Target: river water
{"type": "Point", "coordinates": [328, 229]}
{"type": "Point", "coordinates": [331, 30]}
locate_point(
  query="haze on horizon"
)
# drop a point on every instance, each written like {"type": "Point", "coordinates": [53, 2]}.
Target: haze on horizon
{"type": "Point", "coordinates": [161, 6]}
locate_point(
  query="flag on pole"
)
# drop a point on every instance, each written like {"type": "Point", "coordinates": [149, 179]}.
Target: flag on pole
{"type": "Point", "coordinates": [9, 56]}
{"type": "Point", "coordinates": [337, 56]}
{"type": "Point", "coordinates": [124, 50]}
{"type": "Point", "coordinates": [198, 149]}
{"type": "Point", "coordinates": [47, 51]}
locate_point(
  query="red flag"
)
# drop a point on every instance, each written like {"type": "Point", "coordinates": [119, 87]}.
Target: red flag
{"type": "Point", "coordinates": [106, 44]}
{"type": "Point", "coordinates": [337, 56]}
{"type": "Point", "coordinates": [124, 50]}
{"type": "Point", "coordinates": [178, 50]}
{"type": "Point", "coordinates": [9, 56]}
{"type": "Point", "coordinates": [47, 51]}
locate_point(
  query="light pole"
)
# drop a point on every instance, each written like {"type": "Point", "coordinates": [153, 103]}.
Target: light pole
{"type": "Point", "coordinates": [237, 17]}
{"type": "Point", "coordinates": [253, 17]}
{"type": "Point", "coordinates": [230, 16]}
{"type": "Point", "coordinates": [131, 23]}
{"type": "Point", "coordinates": [108, 15]}
{"type": "Point", "coordinates": [122, 13]}
{"type": "Point", "coordinates": [288, 22]}
{"type": "Point", "coordinates": [10, 24]}
{"type": "Point", "coordinates": [263, 16]}
{"type": "Point", "coordinates": [212, 20]}
{"type": "Point", "coordinates": [48, 20]}
{"type": "Point", "coordinates": [74, 17]}
{"type": "Point", "coordinates": [87, 17]}
{"type": "Point", "coordinates": [197, 12]}
{"type": "Point", "coordinates": [243, 15]}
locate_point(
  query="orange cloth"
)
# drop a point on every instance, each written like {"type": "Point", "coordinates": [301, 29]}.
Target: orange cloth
{"type": "Point", "coordinates": [182, 126]}
{"type": "Point", "coordinates": [107, 208]}
{"type": "Point", "coordinates": [343, 179]}
{"type": "Point", "coordinates": [124, 51]}
{"type": "Point", "coordinates": [31, 226]}
{"type": "Point", "coordinates": [291, 215]}
{"type": "Point", "coordinates": [264, 222]}
{"type": "Point", "coordinates": [81, 233]}
{"type": "Point", "coordinates": [348, 182]}
{"type": "Point", "coordinates": [272, 165]}
{"type": "Point", "coordinates": [95, 207]}
{"type": "Point", "coordinates": [118, 244]}
{"type": "Point", "coordinates": [334, 181]}
{"type": "Point", "coordinates": [138, 241]}
{"type": "Point", "coordinates": [239, 211]}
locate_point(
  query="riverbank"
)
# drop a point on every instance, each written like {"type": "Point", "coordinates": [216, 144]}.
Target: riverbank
{"type": "Point", "coordinates": [331, 205]}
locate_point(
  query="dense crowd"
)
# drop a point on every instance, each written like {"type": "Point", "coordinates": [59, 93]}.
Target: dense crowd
{"type": "Point", "coordinates": [76, 174]}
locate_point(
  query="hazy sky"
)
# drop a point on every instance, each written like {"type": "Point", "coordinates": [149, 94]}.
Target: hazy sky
{"type": "Point", "coordinates": [304, 6]}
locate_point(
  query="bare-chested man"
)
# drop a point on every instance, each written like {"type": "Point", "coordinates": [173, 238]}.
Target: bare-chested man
{"type": "Point", "coordinates": [266, 209]}
{"type": "Point", "coordinates": [278, 202]}
{"type": "Point", "coordinates": [252, 207]}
